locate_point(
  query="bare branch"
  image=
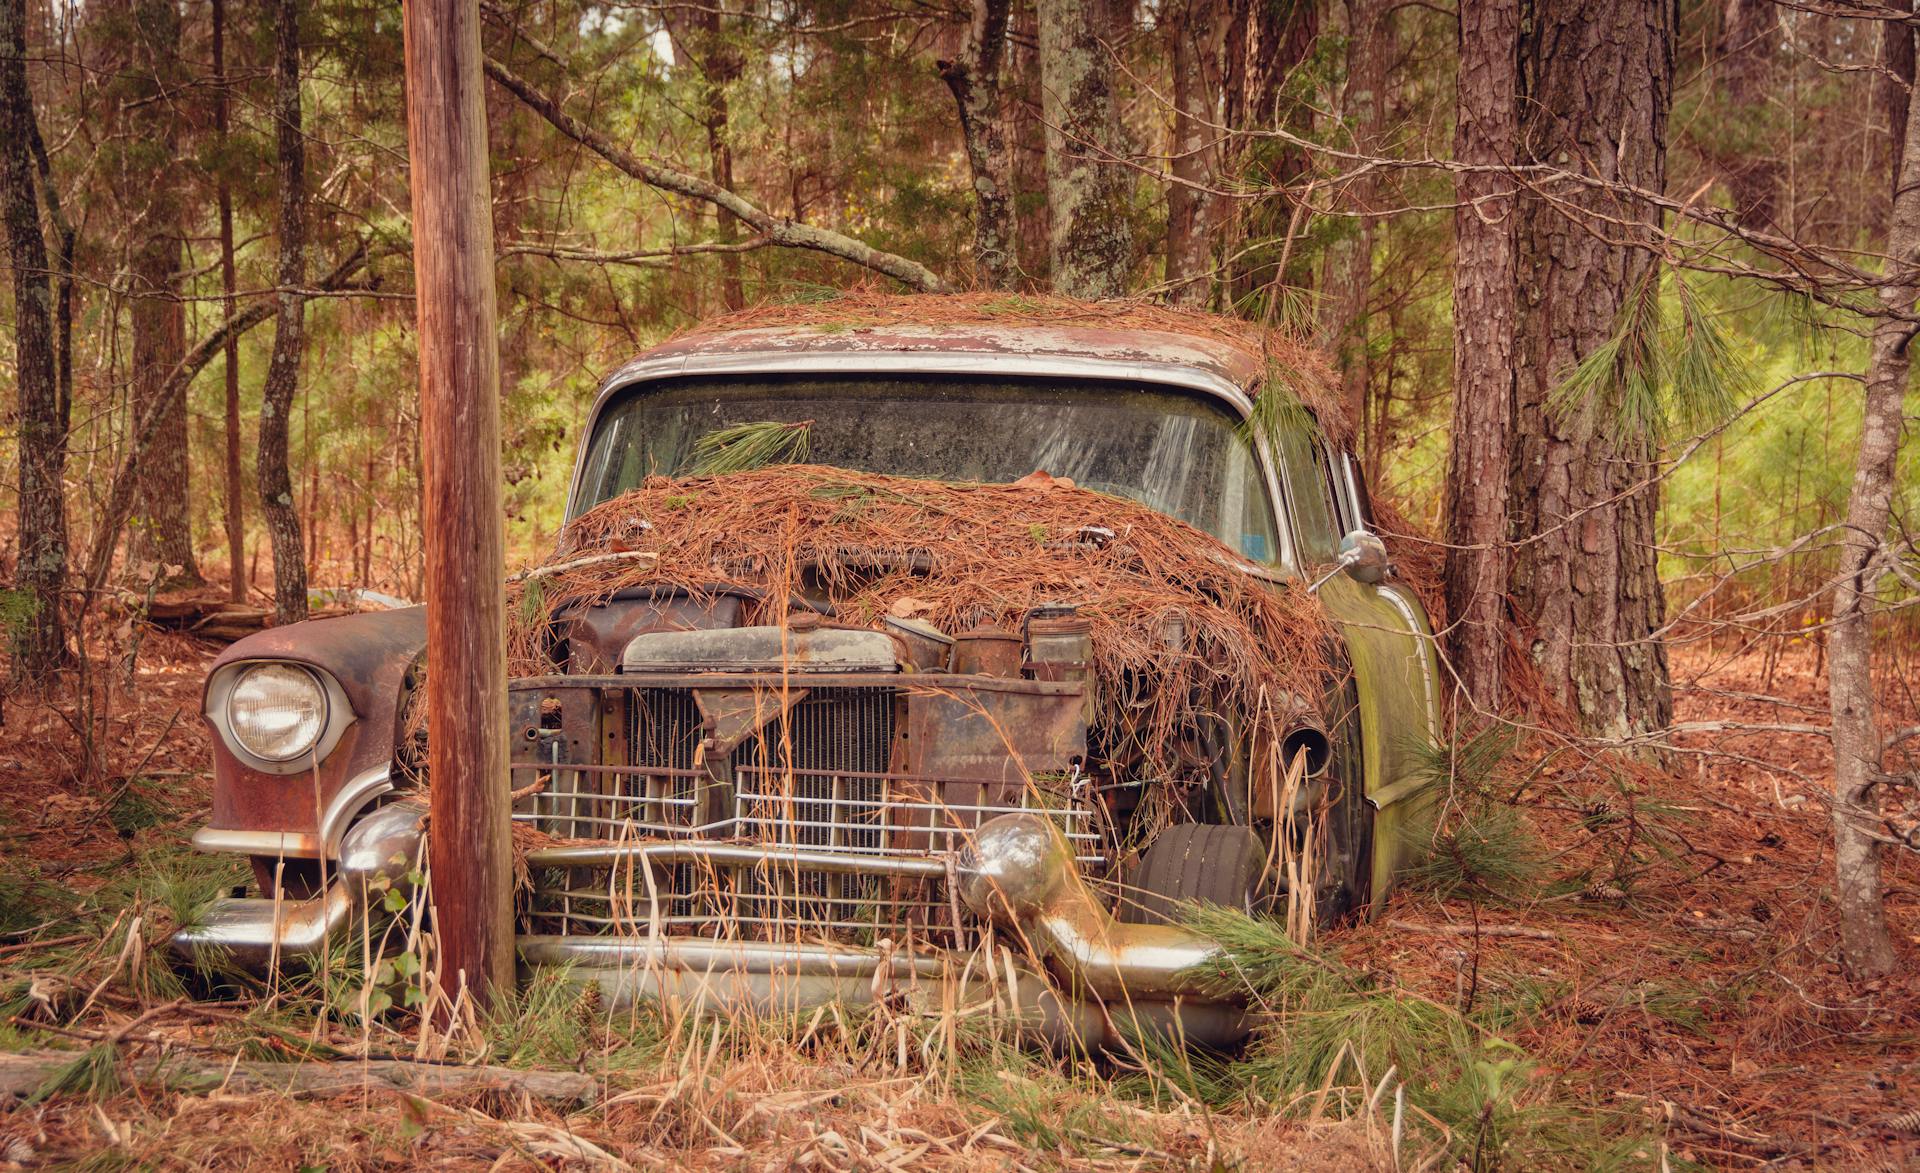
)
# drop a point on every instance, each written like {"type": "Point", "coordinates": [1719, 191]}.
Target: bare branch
{"type": "Point", "coordinates": [776, 230]}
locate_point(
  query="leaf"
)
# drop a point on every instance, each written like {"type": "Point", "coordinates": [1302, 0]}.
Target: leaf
{"type": "Point", "coordinates": [906, 607]}
{"type": "Point", "coordinates": [1043, 480]}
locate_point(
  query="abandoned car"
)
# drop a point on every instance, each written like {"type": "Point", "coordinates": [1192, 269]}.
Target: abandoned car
{"type": "Point", "coordinates": [911, 642]}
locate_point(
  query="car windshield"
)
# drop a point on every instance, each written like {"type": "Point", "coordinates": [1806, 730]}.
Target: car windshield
{"type": "Point", "coordinates": [1177, 452]}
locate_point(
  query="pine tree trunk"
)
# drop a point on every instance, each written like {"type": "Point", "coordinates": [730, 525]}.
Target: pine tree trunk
{"type": "Point", "coordinates": [1858, 747]}
{"type": "Point", "coordinates": [147, 89]}
{"type": "Point", "coordinates": [1597, 80]}
{"type": "Point", "coordinates": [163, 531]}
{"type": "Point", "coordinates": [283, 369]}
{"type": "Point", "coordinates": [1032, 229]}
{"type": "Point", "coordinates": [1090, 244]}
{"type": "Point", "coordinates": [39, 645]}
{"type": "Point", "coordinates": [235, 514]}
{"type": "Point", "coordinates": [1483, 325]}
{"type": "Point", "coordinates": [973, 78]}
{"type": "Point", "coordinates": [1193, 211]}
{"type": "Point", "coordinates": [1891, 91]}
{"type": "Point", "coordinates": [699, 35]}
{"type": "Point", "coordinates": [1749, 33]}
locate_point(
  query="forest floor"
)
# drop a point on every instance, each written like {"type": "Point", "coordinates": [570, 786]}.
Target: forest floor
{"type": "Point", "coordinates": [1670, 998]}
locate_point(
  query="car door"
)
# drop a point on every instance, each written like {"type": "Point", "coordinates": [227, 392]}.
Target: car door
{"type": "Point", "coordinates": [1389, 641]}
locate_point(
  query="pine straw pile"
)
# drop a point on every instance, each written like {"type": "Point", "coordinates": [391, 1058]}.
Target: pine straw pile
{"type": "Point", "coordinates": [1179, 624]}
{"type": "Point", "coordinates": [1284, 359]}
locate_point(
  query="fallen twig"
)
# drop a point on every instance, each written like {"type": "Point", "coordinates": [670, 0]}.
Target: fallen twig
{"type": "Point", "coordinates": [1523, 931]}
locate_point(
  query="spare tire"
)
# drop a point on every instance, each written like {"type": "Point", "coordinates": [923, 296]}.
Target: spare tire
{"type": "Point", "coordinates": [1191, 863]}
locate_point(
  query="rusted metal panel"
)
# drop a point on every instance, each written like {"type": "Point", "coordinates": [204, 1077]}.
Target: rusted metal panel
{"type": "Point", "coordinates": [988, 744]}
{"type": "Point", "coordinates": [597, 635]}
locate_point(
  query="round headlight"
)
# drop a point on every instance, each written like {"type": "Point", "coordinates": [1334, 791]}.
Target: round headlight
{"type": "Point", "coordinates": [277, 711]}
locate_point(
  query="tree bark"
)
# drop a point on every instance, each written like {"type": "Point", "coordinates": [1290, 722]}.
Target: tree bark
{"type": "Point", "coordinates": [39, 645]}
{"type": "Point", "coordinates": [1596, 87]}
{"type": "Point", "coordinates": [1090, 242]}
{"type": "Point", "coordinates": [469, 843]}
{"type": "Point", "coordinates": [1858, 747]}
{"type": "Point", "coordinates": [235, 513]}
{"type": "Point", "coordinates": [1193, 212]}
{"type": "Point", "coordinates": [148, 90]}
{"type": "Point", "coordinates": [973, 78]}
{"type": "Point", "coordinates": [1266, 40]}
{"type": "Point", "coordinates": [775, 229]}
{"type": "Point", "coordinates": [1486, 130]}
{"type": "Point", "coordinates": [163, 532]}
{"type": "Point", "coordinates": [1892, 88]}
{"type": "Point", "coordinates": [1748, 33]}
{"type": "Point", "coordinates": [289, 335]}
{"type": "Point", "coordinates": [699, 35]}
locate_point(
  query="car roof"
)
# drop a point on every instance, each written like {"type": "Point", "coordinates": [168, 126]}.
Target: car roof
{"type": "Point", "coordinates": [1001, 345]}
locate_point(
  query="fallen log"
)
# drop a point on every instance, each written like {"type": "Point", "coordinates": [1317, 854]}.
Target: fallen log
{"type": "Point", "coordinates": [26, 1072]}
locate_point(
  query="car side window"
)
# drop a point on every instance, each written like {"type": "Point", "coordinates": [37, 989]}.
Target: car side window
{"type": "Point", "coordinates": [1350, 494]}
{"type": "Point", "coordinates": [1315, 525]}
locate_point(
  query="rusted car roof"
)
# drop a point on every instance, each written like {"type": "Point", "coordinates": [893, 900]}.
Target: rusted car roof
{"type": "Point", "coordinates": [1093, 343]}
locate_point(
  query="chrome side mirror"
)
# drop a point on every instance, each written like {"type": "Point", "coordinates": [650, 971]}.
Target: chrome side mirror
{"type": "Point", "coordinates": [1362, 555]}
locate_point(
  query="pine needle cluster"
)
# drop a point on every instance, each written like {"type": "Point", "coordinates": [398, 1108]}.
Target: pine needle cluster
{"type": "Point", "coordinates": [744, 447]}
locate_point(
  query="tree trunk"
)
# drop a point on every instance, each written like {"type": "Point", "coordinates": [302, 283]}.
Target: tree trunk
{"type": "Point", "coordinates": [699, 35]}
{"type": "Point", "coordinates": [1349, 282]}
{"type": "Point", "coordinates": [1858, 747]}
{"type": "Point", "coordinates": [235, 516]}
{"type": "Point", "coordinates": [1265, 41]}
{"type": "Point", "coordinates": [1090, 243]}
{"type": "Point", "coordinates": [1485, 133]}
{"type": "Point", "coordinates": [1596, 86]}
{"type": "Point", "coordinates": [163, 532]}
{"type": "Point", "coordinates": [974, 79]}
{"type": "Point", "coordinates": [147, 90]}
{"type": "Point", "coordinates": [289, 336]}
{"type": "Point", "coordinates": [39, 645]}
{"type": "Point", "coordinates": [1193, 211]}
{"type": "Point", "coordinates": [1748, 33]}
{"type": "Point", "coordinates": [1891, 92]}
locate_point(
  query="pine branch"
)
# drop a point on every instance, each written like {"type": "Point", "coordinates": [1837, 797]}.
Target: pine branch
{"type": "Point", "coordinates": [779, 231]}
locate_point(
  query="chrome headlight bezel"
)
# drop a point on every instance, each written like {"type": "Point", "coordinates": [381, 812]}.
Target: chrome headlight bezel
{"type": "Point", "coordinates": [338, 714]}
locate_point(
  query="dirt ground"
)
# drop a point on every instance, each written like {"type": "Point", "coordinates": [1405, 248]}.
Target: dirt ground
{"type": "Point", "coordinates": [1693, 982]}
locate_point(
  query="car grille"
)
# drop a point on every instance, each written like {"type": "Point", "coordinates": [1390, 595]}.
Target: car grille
{"type": "Point", "coordinates": [814, 779]}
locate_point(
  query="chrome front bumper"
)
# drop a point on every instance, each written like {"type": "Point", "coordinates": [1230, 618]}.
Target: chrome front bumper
{"type": "Point", "coordinates": [1097, 981]}
{"type": "Point", "coordinates": [378, 853]}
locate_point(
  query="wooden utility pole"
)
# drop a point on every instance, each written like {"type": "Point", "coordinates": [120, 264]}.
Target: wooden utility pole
{"type": "Point", "coordinates": [467, 841]}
